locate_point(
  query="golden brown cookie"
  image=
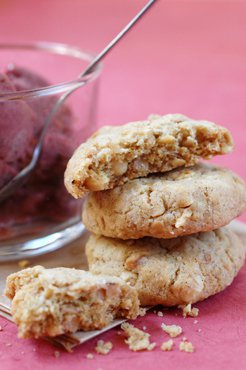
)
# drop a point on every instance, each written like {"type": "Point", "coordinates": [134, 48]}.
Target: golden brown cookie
{"type": "Point", "coordinates": [50, 302]}
{"type": "Point", "coordinates": [116, 154]}
{"type": "Point", "coordinates": [170, 272]}
{"type": "Point", "coordinates": [180, 202]}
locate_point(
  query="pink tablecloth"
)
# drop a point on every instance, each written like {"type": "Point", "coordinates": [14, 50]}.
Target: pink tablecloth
{"type": "Point", "coordinates": [187, 57]}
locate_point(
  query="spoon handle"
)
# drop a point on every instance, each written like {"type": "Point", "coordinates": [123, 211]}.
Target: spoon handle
{"type": "Point", "coordinates": [120, 35]}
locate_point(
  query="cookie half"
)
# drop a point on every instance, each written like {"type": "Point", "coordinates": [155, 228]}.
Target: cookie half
{"type": "Point", "coordinates": [113, 155]}
{"type": "Point", "coordinates": [179, 202]}
{"type": "Point", "coordinates": [50, 302]}
{"type": "Point", "coordinates": [170, 272]}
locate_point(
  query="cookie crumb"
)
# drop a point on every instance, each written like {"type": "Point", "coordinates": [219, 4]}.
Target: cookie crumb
{"type": "Point", "coordinates": [199, 330]}
{"type": "Point", "coordinates": [103, 348]}
{"type": "Point", "coordinates": [172, 330]}
{"type": "Point", "coordinates": [160, 314]}
{"type": "Point", "coordinates": [189, 311]}
{"type": "Point", "coordinates": [144, 327]}
{"type": "Point", "coordinates": [90, 356]}
{"type": "Point", "coordinates": [57, 354]}
{"type": "Point", "coordinates": [23, 264]}
{"type": "Point", "coordinates": [151, 346]}
{"type": "Point", "coordinates": [142, 311]}
{"type": "Point", "coordinates": [167, 346]}
{"type": "Point", "coordinates": [195, 322]}
{"type": "Point", "coordinates": [186, 346]}
{"type": "Point", "coordinates": [137, 339]}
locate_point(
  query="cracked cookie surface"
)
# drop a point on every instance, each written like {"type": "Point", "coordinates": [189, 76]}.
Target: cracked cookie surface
{"type": "Point", "coordinates": [170, 272]}
{"type": "Point", "coordinates": [180, 202]}
{"type": "Point", "coordinates": [115, 154]}
{"type": "Point", "coordinates": [51, 302]}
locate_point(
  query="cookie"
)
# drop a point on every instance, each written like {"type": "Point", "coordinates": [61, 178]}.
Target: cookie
{"type": "Point", "coordinates": [170, 272]}
{"type": "Point", "coordinates": [113, 155]}
{"type": "Point", "coordinates": [180, 202]}
{"type": "Point", "coordinates": [50, 302]}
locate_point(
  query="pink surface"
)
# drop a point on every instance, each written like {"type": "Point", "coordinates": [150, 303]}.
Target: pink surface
{"type": "Point", "coordinates": [187, 57]}
{"type": "Point", "coordinates": [220, 344]}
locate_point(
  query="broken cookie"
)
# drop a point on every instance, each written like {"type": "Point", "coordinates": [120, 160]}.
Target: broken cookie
{"type": "Point", "coordinates": [50, 302]}
{"type": "Point", "coordinates": [117, 154]}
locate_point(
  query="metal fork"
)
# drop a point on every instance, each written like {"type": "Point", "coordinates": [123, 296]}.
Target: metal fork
{"type": "Point", "coordinates": [67, 341]}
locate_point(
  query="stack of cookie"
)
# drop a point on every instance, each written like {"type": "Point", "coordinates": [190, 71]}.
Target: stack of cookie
{"type": "Point", "coordinates": [157, 215]}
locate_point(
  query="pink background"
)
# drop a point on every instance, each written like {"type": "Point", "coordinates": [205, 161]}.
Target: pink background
{"type": "Point", "coordinates": [187, 57]}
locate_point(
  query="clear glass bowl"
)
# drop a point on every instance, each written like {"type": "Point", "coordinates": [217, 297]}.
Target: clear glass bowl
{"type": "Point", "coordinates": [41, 216]}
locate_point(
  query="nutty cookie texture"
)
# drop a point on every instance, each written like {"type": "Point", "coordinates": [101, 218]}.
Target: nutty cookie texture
{"type": "Point", "coordinates": [180, 202]}
{"type": "Point", "coordinates": [170, 272]}
{"type": "Point", "coordinates": [50, 302]}
{"type": "Point", "coordinates": [115, 154]}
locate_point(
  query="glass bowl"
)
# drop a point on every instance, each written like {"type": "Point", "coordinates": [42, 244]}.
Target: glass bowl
{"type": "Point", "coordinates": [40, 216]}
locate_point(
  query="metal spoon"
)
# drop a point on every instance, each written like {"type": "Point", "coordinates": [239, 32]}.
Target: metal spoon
{"type": "Point", "coordinates": [23, 175]}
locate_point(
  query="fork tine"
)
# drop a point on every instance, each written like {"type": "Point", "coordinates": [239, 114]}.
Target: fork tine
{"type": "Point", "coordinates": [7, 308]}
{"type": "Point", "coordinates": [6, 314]}
{"type": "Point", "coordinates": [69, 338]}
{"type": "Point", "coordinates": [57, 341]}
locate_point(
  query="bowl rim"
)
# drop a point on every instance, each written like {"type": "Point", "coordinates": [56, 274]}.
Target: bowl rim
{"type": "Point", "coordinates": [55, 48]}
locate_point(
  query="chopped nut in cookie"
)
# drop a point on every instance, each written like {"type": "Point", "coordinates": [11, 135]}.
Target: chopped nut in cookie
{"type": "Point", "coordinates": [23, 264]}
{"type": "Point", "coordinates": [137, 340]}
{"type": "Point", "coordinates": [172, 330]}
